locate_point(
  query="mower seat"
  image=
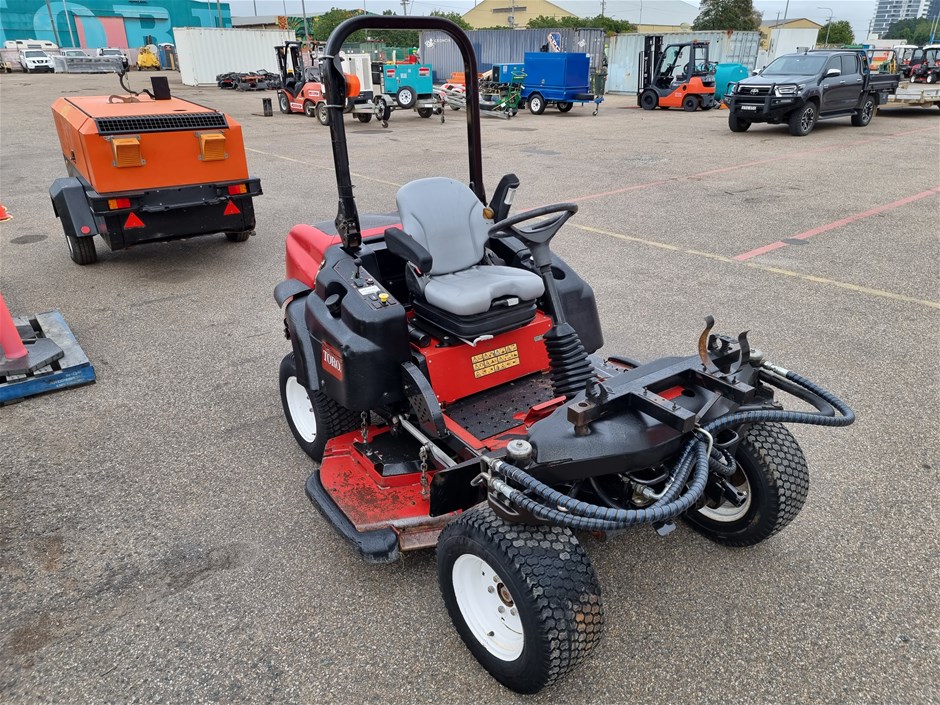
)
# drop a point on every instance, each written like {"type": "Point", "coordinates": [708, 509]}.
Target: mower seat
{"type": "Point", "coordinates": [461, 292]}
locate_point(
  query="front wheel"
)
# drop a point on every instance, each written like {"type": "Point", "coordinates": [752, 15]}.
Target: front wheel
{"type": "Point", "coordinates": [866, 113]}
{"type": "Point", "coordinates": [802, 120]}
{"type": "Point", "coordinates": [564, 106]}
{"type": "Point", "coordinates": [310, 110]}
{"type": "Point", "coordinates": [283, 102]}
{"type": "Point", "coordinates": [82, 249]}
{"type": "Point", "coordinates": [736, 124]}
{"type": "Point", "coordinates": [313, 417]}
{"type": "Point", "coordinates": [771, 471]}
{"type": "Point", "coordinates": [524, 599]}
{"type": "Point", "coordinates": [323, 114]}
{"type": "Point", "coordinates": [536, 104]}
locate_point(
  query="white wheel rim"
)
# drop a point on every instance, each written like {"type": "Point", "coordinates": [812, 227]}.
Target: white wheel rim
{"type": "Point", "coordinates": [536, 103]}
{"type": "Point", "coordinates": [405, 97]}
{"type": "Point", "coordinates": [301, 410]}
{"type": "Point", "coordinates": [488, 607]}
{"type": "Point", "coordinates": [726, 512]}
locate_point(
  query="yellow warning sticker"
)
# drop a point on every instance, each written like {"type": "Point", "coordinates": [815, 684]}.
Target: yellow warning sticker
{"type": "Point", "coordinates": [495, 360]}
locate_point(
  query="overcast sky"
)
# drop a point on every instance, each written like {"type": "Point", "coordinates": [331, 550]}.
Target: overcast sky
{"type": "Point", "coordinates": [858, 12]}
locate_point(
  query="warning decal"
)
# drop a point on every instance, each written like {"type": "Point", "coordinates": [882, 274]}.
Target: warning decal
{"type": "Point", "coordinates": [495, 360]}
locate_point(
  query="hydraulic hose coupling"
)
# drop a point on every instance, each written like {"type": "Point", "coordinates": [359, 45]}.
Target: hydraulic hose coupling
{"type": "Point", "coordinates": [776, 369]}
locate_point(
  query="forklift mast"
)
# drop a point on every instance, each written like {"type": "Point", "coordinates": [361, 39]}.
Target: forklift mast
{"type": "Point", "coordinates": [650, 58]}
{"type": "Point", "coordinates": [290, 63]}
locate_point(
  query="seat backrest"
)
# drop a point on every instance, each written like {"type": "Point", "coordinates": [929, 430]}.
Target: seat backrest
{"type": "Point", "coordinates": [446, 218]}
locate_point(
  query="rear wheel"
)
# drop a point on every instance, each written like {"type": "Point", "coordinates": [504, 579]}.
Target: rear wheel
{"type": "Point", "coordinates": [564, 106]}
{"type": "Point", "coordinates": [690, 103]}
{"type": "Point", "coordinates": [323, 114]}
{"type": "Point", "coordinates": [313, 417]}
{"type": "Point", "coordinates": [536, 104]}
{"type": "Point", "coordinates": [82, 249]}
{"type": "Point", "coordinates": [310, 109]}
{"type": "Point", "coordinates": [364, 117]}
{"type": "Point", "coordinates": [524, 599]}
{"type": "Point", "coordinates": [283, 102]}
{"type": "Point", "coordinates": [802, 120]}
{"type": "Point", "coordinates": [865, 113]}
{"type": "Point", "coordinates": [771, 471]}
{"type": "Point", "coordinates": [736, 124]}
{"type": "Point", "coordinates": [425, 112]}
{"type": "Point", "coordinates": [239, 236]}
{"type": "Point", "coordinates": [649, 99]}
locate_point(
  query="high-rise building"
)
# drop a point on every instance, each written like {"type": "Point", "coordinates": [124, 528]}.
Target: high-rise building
{"type": "Point", "coordinates": [890, 11]}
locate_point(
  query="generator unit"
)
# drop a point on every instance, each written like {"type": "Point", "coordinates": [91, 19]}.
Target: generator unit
{"type": "Point", "coordinates": [146, 167]}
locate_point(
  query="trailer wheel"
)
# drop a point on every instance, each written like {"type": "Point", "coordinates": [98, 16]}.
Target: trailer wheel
{"type": "Point", "coordinates": [803, 120]}
{"type": "Point", "coordinates": [406, 97]}
{"type": "Point", "coordinates": [323, 114]}
{"type": "Point", "coordinates": [364, 117]}
{"type": "Point", "coordinates": [649, 99]}
{"type": "Point", "coordinates": [524, 599]}
{"type": "Point", "coordinates": [690, 103]}
{"type": "Point", "coordinates": [866, 113]}
{"type": "Point", "coordinates": [536, 104]}
{"type": "Point", "coordinates": [283, 102]}
{"type": "Point", "coordinates": [564, 106]}
{"type": "Point", "coordinates": [239, 236]}
{"type": "Point", "coordinates": [772, 472]}
{"type": "Point", "coordinates": [425, 112]}
{"type": "Point", "coordinates": [82, 249]}
{"type": "Point", "coordinates": [313, 417]}
{"type": "Point", "coordinates": [736, 124]}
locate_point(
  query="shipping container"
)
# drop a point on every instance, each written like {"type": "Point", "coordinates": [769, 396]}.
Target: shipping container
{"type": "Point", "coordinates": [723, 48]}
{"type": "Point", "coordinates": [503, 46]}
{"type": "Point", "coordinates": [205, 52]}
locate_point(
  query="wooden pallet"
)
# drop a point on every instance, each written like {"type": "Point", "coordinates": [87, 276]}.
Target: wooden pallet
{"type": "Point", "coordinates": [72, 370]}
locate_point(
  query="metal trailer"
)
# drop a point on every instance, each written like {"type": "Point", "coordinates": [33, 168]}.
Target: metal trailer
{"type": "Point", "coordinates": [87, 64]}
{"type": "Point", "coordinates": [557, 78]}
{"type": "Point", "coordinates": [909, 94]}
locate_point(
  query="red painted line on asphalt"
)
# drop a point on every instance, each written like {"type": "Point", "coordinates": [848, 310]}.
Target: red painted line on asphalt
{"type": "Point", "coordinates": [745, 165]}
{"type": "Point", "coordinates": [837, 224]}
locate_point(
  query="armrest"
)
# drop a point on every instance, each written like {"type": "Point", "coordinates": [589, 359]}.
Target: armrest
{"type": "Point", "coordinates": [400, 243]}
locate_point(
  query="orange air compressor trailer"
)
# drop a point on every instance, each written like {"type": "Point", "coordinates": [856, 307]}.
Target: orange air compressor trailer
{"type": "Point", "coordinates": [145, 169]}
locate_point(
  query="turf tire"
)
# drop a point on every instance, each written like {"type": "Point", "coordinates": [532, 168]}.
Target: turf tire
{"type": "Point", "coordinates": [552, 585]}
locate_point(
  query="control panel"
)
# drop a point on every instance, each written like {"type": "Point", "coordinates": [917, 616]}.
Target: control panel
{"type": "Point", "coordinates": [369, 289]}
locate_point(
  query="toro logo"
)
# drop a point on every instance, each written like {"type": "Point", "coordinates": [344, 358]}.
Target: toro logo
{"type": "Point", "coordinates": [332, 362]}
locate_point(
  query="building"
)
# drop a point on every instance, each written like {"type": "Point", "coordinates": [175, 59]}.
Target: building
{"type": "Point", "coordinates": [770, 30]}
{"type": "Point", "coordinates": [107, 23]}
{"type": "Point", "coordinates": [887, 12]}
{"type": "Point", "coordinates": [512, 13]}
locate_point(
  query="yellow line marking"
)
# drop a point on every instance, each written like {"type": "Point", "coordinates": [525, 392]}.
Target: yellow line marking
{"type": "Point", "coordinates": [773, 270]}
{"type": "Point", "coordinates": [322, 168]}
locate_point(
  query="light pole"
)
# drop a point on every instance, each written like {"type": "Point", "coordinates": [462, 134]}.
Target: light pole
{"type": "Point", "coordinates": [829, 23]}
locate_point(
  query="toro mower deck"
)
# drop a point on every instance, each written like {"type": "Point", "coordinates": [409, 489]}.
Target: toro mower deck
{"type": "Point", "coordinates": [442, 375]}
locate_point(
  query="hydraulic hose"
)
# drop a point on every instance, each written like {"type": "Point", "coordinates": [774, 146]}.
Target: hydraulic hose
{"type": "Point", "coordinates": [696, 458]}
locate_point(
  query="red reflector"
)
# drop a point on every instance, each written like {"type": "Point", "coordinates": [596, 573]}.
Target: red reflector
{"type": "Point", "coordinates": [236, 189]}
{"type": "Point", "coordinates": [231, 209]}
{"type": "Point", "coordinates": [133, 221]}
{"type": "Point", "coordinates": [116, 203]}
{"type": "Point", "coordinates": [85, 230]}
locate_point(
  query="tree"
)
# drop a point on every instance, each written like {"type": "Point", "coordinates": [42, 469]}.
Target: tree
{"type": "Point", "coordinates": [912, 31]}
{"type": "Point", "coordinates": [322, 26]}
{"type": "Point", "coordinates": [410, 38]}
{"type": "Point", "coordinates": [608, 24]}
{"type": "Point", "coordinates": [839, 32]}
{"type": "Point", "coordinates": [723, 15]}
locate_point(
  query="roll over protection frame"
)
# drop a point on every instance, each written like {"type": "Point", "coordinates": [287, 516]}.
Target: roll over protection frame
{"type": "Point", "coordinates": [347, 217]}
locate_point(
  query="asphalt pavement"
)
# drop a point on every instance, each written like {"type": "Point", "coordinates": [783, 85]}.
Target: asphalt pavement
{"type": "Point", "coordinates": [156, 545]}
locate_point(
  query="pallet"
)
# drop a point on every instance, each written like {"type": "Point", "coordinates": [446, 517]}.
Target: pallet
{"type": "Point", "coordinates": [72, 370]}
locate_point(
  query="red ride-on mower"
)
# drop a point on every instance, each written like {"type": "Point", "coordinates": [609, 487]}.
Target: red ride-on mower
{"type": "Point", "coordinates": [442, 376]}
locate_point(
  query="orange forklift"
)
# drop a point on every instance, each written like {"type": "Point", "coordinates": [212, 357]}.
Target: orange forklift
{"type": "Point", "coordinates": [679, 76]}
{"type": "Point", "coordinates": [146, 167]}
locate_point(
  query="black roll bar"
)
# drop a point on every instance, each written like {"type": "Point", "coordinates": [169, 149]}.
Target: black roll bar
{"type": "Point", "coordinates": [347, 217]}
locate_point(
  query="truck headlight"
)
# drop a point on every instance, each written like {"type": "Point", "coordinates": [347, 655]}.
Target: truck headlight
{"type": "Point", "coordinates": [790, 89]}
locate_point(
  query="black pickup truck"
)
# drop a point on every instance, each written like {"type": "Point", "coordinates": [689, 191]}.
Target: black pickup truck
{"type": "Point", "coordinates": [800, 89]}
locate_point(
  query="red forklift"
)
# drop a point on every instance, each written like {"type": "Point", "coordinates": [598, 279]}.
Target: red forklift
{"type": "Point", "coordinates": [301, 90]}
{"type": "Point", "coordinates": [679, 76]}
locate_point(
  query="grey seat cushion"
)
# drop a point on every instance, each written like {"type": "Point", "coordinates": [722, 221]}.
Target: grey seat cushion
{"type": "Point", "coordinates": [472, 291]}
{"type": "Point", "coordinates": [448, 220]}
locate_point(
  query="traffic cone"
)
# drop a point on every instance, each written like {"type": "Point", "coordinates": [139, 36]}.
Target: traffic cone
{"type": "Point", "coordinates": [11, 344]}
{"type": "Point", "coordinates": [3, 214]}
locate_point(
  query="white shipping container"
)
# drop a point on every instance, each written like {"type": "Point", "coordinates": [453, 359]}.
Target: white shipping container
{"type": "Point", "coordinates": [205, 52]}
{"type": "Point", "coordinates": [788, 40]}
{"type": "Point", "coordinates": [724, 47]}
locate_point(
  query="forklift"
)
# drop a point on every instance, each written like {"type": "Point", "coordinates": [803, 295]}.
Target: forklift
{"type": "Point", "coordinates": [679, 76]}
{"type": "Point", "coordinates": [301, 90]}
